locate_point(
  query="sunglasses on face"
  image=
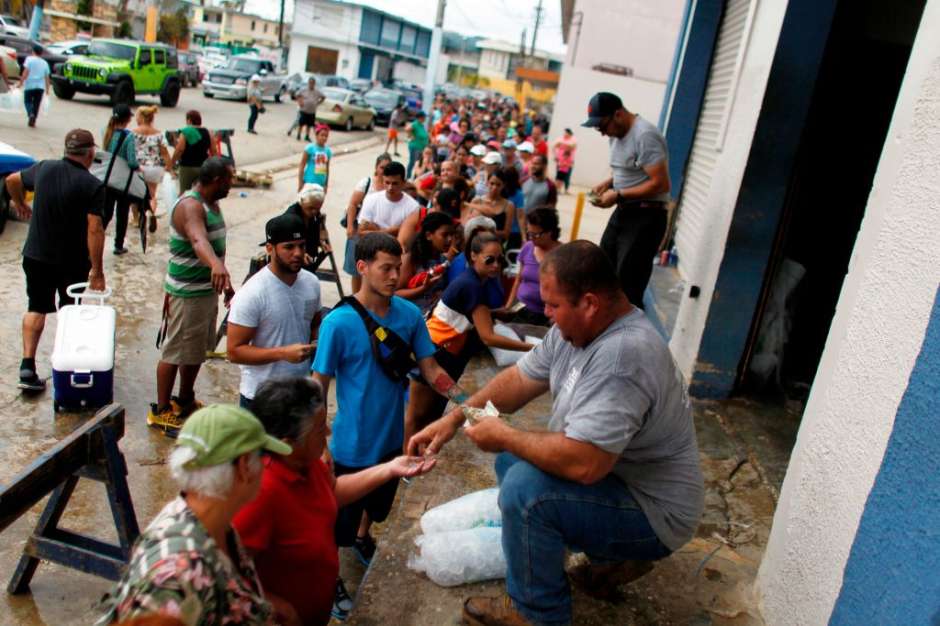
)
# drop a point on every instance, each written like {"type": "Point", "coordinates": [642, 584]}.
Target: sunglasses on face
{"type": "Point", "coordinates": [491, 260]}
{"type": "Point", "coordinates": [530, 235]}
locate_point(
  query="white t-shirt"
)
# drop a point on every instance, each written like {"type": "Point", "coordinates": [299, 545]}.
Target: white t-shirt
{"type": "Point", "coordinates": [281, 315]}
{"type": "Point", "coordinates": [384, 213]}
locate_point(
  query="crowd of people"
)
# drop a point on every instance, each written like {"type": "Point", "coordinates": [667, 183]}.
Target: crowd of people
{"type": "Point", "coordinates": [270, 491]}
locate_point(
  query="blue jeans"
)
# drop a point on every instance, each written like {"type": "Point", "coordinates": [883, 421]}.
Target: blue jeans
{"type": "Point", "coordinates": [414, 155]}
{"type": "Point", "coordinates": [544, 514]}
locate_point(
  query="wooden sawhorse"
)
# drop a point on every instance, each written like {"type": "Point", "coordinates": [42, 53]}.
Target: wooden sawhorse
{"type": "Point", "coordinates": [89, 452]}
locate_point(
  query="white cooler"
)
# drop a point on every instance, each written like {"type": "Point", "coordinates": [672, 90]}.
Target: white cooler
{"type": "Point", "coordinates": [83, 355]}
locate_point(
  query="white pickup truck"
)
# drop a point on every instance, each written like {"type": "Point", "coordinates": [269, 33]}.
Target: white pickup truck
{"type": "Point", "coordinates": [231, 81]}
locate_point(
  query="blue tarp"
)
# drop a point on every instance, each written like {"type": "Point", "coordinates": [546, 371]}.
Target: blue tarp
{"type": "Point", "coordinates": [13, 160]}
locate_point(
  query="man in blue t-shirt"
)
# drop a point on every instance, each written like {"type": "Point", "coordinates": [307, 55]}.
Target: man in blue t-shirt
{"type": "Point", "coordinates": [369, 425]}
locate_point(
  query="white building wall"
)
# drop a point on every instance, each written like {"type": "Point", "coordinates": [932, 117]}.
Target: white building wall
{"type": "Point", "coordinates": [325, 25]}
{"type": "Point", "coordinates": [876, 334]}
{"type": "Point", "coordinates": [633, 33]}
{"type": "Point", "coordinates": [493, 63]}
{"type": "Point", "coordinates": [726, 182]}
{"type": "Point", "coordinates": [577, 85]}
{"type": "Point", "coordinates": [409, 72]}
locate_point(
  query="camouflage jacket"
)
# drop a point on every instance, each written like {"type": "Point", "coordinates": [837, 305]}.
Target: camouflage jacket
{"type": "Point", "coordinates": [176, 569]}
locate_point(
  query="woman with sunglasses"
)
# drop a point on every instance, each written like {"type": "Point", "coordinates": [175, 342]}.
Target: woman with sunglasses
{"type": "Point", "coordinates": [460, 326]}
{"type": "Point", "coordinates": [542, 233]}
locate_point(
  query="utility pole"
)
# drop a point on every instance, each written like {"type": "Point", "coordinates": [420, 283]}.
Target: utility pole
{"type": "Point", "coordinates": [35, 21]}
{"type": "Point", "coordinates": [535, 31]}
{"type": "Point", "coordinates": [280, 27]}
{"type": "Point", "coordinates": [434, 55]}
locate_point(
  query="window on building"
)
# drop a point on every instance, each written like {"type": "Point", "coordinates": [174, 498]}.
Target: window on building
{"type": "Point", "coordinates": [408, 37]}
{"type": "Point", "coordinates": [390, 32]}
{"type": "Point", "coordinates": [252, 24]}
{"type": "Point", "coordinates": [371, 27]}
{"type": "Point", "coordinates": [205, 16]}
{"type": "Point", "coordinates": [423, 47]}
{"type": "Point", "coordinates": [265, 29]}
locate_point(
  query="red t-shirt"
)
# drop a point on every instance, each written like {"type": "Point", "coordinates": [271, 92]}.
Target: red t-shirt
{"type": "Point", "coordinates": [541, 147]}
{"type": "Point", "coordinates": [289, 528]}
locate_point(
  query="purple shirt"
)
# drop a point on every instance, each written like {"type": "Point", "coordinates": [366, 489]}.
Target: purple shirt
{"type": "Point", "coordinates": [528, 293]}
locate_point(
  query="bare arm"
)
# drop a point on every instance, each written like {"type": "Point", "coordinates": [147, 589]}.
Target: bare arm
{"type": "Point", "coordinates": [515, 287]}
{"type": "Point", "coordinates": [96, 252]}
{"type": "Point", "coordinates": [24, 75]}
{"type": "Point", "coordinates": [178, 150]}
{"type": "Point", "coordinates": [324, 381]}
{"type": "Point", "coordinates": [554, 453]}
{"type": "Point", "coordinates": [14, 183]}
{"type": "Point", "coordinates": [658, 182]}
{"type": "Point", "coordinates": [483, 322]}
{"type": "Point", "coordinates": [241, 351]}
{"type": "Point", "coordinates": [510, 216]}
{"type": "Point", "coordinates": [509, 391]}
{"type": "Point", "coordinates": [354, 201]}
{"type": "Point", "coordinates": [408, 230]}
{"type": "Point", "coordinates": [352, 487]}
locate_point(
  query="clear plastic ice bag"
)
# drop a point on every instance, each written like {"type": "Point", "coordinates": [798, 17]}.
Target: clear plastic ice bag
{"type": "Point", "coordinates": [479, 508]}
{"type": "Point", "coordinates": [167, 191]}
{"type": "Point", "coordinates": [461, 556]}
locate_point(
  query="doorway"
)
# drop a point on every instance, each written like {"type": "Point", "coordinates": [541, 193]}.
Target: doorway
{"type": "Point", "coordinates": [851, 108]}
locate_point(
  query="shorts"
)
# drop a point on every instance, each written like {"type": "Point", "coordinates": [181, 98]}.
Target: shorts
{"type": "Point", "coordinates": [44, 280]}
{"type": "Point", "coordinates": [190, 329]}
{"type": "Point", "coordinates": [377, 503]}
{"type": "Point", "coordinates": [152, 174]}
{"type": "Point", "coordinates": [349, 263]}
{"type": "Point", "coordinates": [307, 119]}
{"type": "Point", "coordinates": [187, 177]}
{"type": "Point", "coordinates": [564, 177]}
{"type": "Point", "coordinates": [392, 133]}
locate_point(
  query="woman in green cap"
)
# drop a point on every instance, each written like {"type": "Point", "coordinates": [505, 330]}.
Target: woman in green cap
{"type": "Point", "coordinates": [189, 563]}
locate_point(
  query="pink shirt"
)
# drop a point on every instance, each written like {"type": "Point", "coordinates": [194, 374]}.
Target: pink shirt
{"type": "Point", "coordinates": [564, 153]}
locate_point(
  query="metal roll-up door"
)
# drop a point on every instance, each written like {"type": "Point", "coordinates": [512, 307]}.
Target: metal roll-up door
{"type": "Point", "coordinates": [693, 219]}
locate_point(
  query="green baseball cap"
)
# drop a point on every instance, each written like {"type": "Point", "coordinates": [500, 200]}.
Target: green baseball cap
{"type": "Point", "coordinates": [220, 433]}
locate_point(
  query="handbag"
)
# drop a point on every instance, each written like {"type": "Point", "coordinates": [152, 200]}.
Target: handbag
{"type": "Point", "coordinates": [116, 174]}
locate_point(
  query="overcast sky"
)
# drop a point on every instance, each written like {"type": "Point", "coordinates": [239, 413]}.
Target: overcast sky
{"type": "Point", "coordinates": [497, 19]}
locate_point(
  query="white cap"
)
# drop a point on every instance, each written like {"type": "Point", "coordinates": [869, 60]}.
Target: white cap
{"type": "Point", "coordinates": [493, 158]}
{"type": "Point", "coordinates": [478, 150]}
{"type": "Point", "coordinates": [509, 144]}
{"type": "Point", "coordinates": [254, 79]}
{"type": "Point", "coordinates": [311, 191]}
{"type": "Point", "coordinates": [526, 146]}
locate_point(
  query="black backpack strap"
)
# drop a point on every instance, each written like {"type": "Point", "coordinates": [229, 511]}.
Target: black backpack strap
{"type": "Point", "coordinates": [107, 176]}
{"type": "Point", "coordinates": [392, 353]}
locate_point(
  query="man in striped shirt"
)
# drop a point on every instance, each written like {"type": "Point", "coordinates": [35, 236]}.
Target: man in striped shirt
{"type": "Point", "coordinates": [195, 276]}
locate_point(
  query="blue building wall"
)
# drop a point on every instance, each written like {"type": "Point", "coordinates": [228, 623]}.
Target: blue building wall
{"type": "Point", "coordinates": [893, 572]}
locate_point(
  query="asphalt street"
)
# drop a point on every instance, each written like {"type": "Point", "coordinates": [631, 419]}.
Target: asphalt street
{"type": "Point", "coordinates": [92, 112]}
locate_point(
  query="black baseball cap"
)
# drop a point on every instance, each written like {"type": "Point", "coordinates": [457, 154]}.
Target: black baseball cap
{"type": "Point", "coordinates": [603, 104]}
{"type": "Point", "coordinates": [283, 228]}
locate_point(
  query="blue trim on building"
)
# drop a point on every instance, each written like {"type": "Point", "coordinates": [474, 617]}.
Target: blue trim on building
{"type": "Point", "coordinates": [676, 58]}
{"type": "Point", "coordinates": [893, 572]}
{"type": "Point", "coordinates": [688, 79]}
{"type": "Point", "coordinates": [761, 201]}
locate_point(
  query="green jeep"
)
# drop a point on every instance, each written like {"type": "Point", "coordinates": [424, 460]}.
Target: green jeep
{"type": "Point", "coordinates": [122, 69]}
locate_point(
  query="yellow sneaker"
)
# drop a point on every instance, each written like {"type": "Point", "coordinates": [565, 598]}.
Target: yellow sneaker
{"type": "Point", "coordinates": [185, 410]}
{"type": "Point", "coordinates": [167, 420]}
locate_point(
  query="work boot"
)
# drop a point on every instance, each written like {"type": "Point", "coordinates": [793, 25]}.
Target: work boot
{"type": "Point", "coordinates": [601, 581]}
{"type": "Point", "coordinates": [364, 548]}
{"type": "Point", "coordinates": [165, 419]}
{"type": "Point", "coordinates": [484, 611]}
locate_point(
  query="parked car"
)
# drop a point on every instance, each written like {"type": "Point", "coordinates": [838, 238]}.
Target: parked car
{"type": "Point", "coordinates": [345, 108]}
{"type": "Point", "coordinates": [121, 69]}
{"type": "Point", "coordinates": [8, 56]}
{"type": "Point", "coordinates": [384, 102]}
{"type": "Point", "coordinates": [232, 80]}
{"type": "Point", "coordinates": [70, 47]}
{"type": "Point", "coordinates": [10, 25]}
{"type": "Point", "coordinates": [189, 68]}
{"type": "Point", "coordinates": [297, 81]}
{"type": "Point", "coordinates": [332, 80]}
{"type": "Point", "coordinates": [24, 48]}
{"type": "Point", "coordinates": [360, 85]}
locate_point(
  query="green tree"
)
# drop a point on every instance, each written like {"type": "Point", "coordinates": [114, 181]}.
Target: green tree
{"type": "Point", "coordinates": [174, 28]}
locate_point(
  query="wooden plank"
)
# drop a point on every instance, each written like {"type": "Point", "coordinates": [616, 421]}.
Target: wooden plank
{"type": "Point", "coordinates": [75, 557]}
{"type": "Point", "coordinates": [55, 466]}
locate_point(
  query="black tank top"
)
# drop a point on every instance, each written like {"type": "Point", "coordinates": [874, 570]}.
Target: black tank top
{"type": "Point", "coordinates": [194, 155]}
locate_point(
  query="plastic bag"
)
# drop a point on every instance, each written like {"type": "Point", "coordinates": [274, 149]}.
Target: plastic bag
{"type": "Point", "coordinates": [12, 102]}
{"type": "Point", "coordinates": [473, 510]}
{"type": "Point", "coordinates": [166, 195]}
{"type": "Point", "coordinates": [505, 358]}
{"type": "Point", "coordinates": [462, 556]}
{"type": "Point", "coordinates": [45, 105]}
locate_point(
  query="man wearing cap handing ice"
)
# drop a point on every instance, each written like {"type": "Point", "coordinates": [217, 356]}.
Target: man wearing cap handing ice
{"type": "Point", "coordinates": [639, 188]}
{"type": "Point", "coordinates": [276, 314]}
{"type": "Point", "coordinates": [65, 240]}
{"type": "Point", "coordinates": [190, 563]}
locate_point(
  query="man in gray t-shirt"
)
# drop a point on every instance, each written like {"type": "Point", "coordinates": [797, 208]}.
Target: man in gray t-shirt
{"type": "Point", "coordinates": [639, 188]}
{"type": "Point", "coordinates": [538, 190]}
{"type": "Point", "coordinates": [274, 315]}
{"type": "Point", "coordinates": [616, 475]}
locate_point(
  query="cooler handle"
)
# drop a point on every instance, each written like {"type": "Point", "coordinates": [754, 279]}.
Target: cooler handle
{"type": "Point", "coordinates": [78, 385]}
{"type": "Point", "coordinates": [72, 292]}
